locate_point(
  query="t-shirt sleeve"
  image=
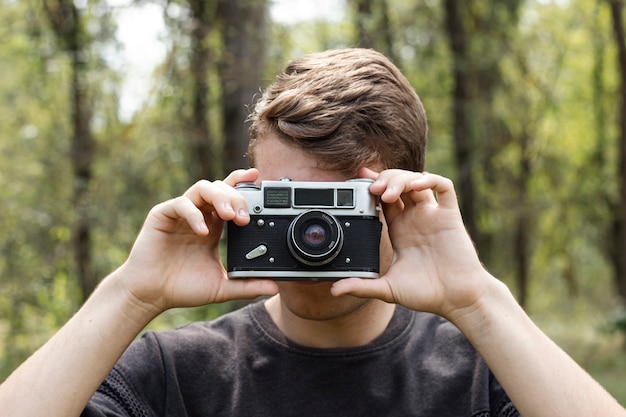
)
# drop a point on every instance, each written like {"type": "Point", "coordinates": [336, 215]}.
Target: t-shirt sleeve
{"type": "Point", "coordinates": [505, 408]}
{"type": "Point", "coordinates": [140, 366]}
{"type": "Point", "coordinates": [115, 397]}
{"type": "Point", "coordinates": [501, 404]}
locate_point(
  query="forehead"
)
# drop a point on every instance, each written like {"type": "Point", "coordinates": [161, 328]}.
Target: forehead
{"type": "Point", "coordinates": [275, 159]}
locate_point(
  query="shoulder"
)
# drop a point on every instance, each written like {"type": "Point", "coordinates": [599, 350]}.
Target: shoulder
{"type": "Point", "coordinates": [157, 352]}
{"type": "Point", "coordinates": [444, 356]}
{"type": "Point", "coordinates": [196, 337]}
{"type": "Point", "coordinates": [159, 355]}
{"type": "Point", "coordinates": [432, 330]}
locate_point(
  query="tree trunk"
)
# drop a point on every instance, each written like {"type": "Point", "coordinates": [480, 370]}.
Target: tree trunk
{"type": "Point", "coordinates": [521, 245]}
{"type": "Point", "coordinates": [373, 29]}
{"type": "Point", "coordinates": [478, 43]}
{"type": "Point", "coordinates": [82, 161]}
{"type": "Point", "coordinates": [363, 14]}
{"type": "Point", "coordinates": [203, 160]}
{"type": "Point", "coordinates": [617, 7]}
{"type": "Point", "coordinates": [240, 71]}
{"type": "Point", "coordinates": [461, 128]}
{"type": "Point", "coordinates": [65, 20]}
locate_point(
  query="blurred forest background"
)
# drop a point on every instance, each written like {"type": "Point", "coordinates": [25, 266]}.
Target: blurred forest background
{"type": "Point", "coordinates": [525, 102]}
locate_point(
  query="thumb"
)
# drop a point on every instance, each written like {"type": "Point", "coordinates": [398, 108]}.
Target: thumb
{"type": "Point", "coordinates": [247, 288]}
{"type": "Point", "coordinates": [363, 288]}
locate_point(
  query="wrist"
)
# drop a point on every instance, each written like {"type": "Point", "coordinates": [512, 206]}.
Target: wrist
{"type": "Point", "coordinates": [493, 305]}
{"type": "Point", "coordinates": [134, 310]}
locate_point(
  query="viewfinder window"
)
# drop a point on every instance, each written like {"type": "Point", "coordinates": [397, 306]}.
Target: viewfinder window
{"type": "Point", "coordinates": [315, 197]}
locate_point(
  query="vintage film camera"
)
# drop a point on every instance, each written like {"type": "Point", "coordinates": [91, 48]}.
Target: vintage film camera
{"type": "Point", "coordinates": [306, 231]}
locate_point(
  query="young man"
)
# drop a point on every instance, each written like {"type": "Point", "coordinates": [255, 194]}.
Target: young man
{"type": "Point", "coordinates": [436, 334]}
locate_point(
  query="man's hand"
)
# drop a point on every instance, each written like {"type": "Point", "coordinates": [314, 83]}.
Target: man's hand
{"type": "Point", "coordinates": [435, 266]}
{"type": "Point", "coordinates": [175, 261]}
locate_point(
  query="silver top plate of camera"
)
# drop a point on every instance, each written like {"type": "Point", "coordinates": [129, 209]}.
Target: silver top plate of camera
{"type": "Point", "coordinates": [286, 197]}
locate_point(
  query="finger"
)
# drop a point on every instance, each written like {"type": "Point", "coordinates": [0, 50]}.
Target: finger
{"type": "Point", "coordinates": [242, 175]}
{"type": "Point", "coordinates": [219, 197]}
{"type": "Point", "coordinates": [392, 210]}
{"type": "Point", "coordinates": [381, 180]}
{"type": "Point", "coordinates": [441, 186]}
{"type": "Point", "coordinates": [387, 180]}
{"type": "Point", "coordinates": [363, 288]}
{"type": "Point", "coordinates": [176, 209]}
{"type": "Point", "coordinates": [247, 288]}
{"type": "Point", "coordinates": [400, 186]}
{"type": "Point", "coordinates": [235, 177]}
{"type": "Point", "coordinates": [228, 203]}
{"type": "Point", "coordinates": [395, 184]}
{"type": "Point", "coordinates": [368, 173]}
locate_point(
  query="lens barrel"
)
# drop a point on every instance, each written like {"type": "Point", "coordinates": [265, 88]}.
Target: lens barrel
{"type": "Point", "coordinates": [315, 238]}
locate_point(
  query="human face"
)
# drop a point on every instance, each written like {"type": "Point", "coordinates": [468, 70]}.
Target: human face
{"type": "Point", "coordinates": [275, 159]}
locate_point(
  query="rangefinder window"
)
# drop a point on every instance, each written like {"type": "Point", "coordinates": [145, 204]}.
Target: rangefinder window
{"type": "Point", "coordinates": [317, 197]}
{"type": "Point", "coordinates": [345, 198]}
{"type": "Point", "coordinates": [278, 197]}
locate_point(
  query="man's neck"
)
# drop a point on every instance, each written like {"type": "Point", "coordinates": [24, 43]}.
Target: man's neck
{"type": "Point", "coordinates": [356, 328]}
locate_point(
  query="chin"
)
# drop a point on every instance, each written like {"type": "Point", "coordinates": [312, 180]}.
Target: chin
{"type": "Point", "coordinates": [313, 300]}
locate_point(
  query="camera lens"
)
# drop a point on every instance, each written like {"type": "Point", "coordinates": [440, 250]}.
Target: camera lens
{"type": "Point", "coordinates": [315, 238]}
{"type": "Point", "coordinates": [315, 235]}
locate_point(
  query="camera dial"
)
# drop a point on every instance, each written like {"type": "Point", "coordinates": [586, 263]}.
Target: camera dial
{"type": "Point", "coordinates": [248, 185]}
{"type": "Point", "coordinates": [315, 238]}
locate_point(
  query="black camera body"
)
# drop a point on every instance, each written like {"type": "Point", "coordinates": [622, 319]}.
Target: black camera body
{"type": "Point", "coordinates": [312, 231]}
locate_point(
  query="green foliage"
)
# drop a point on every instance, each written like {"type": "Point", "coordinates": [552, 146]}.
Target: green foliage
{"type": "Point", "coordinates": [616, 322]}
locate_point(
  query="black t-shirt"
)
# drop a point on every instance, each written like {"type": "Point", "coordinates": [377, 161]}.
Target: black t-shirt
{"type": "Point", "coordinates": [242, 365]}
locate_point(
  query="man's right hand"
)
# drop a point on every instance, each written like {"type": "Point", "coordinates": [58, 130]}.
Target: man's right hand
{"type": "Point", "coordinates": [175, 261]}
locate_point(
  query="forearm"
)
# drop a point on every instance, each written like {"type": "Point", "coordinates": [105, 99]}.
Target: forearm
{"type": "Point", "coordinates": [61, 376]}
{"type": "Point", "coordinates": [538, 376]}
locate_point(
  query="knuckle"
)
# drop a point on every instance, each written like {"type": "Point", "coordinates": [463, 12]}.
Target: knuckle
{"type": "Point", "coordinates": [197, 187]}
{"type": "Point", "coordinates": [447, 183]}
{"type": "Point", "coordinates": [202, 183]}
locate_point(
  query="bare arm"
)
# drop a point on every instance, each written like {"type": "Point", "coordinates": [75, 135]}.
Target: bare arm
{"type": "Point", "coordinates": [175, 262]}
{"type": "Point", "coordinates": [59, 378]}
{"type": "Point", "coordinates": [436, 269]}
{"type": "Point", "coordinates": [539, 377]}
